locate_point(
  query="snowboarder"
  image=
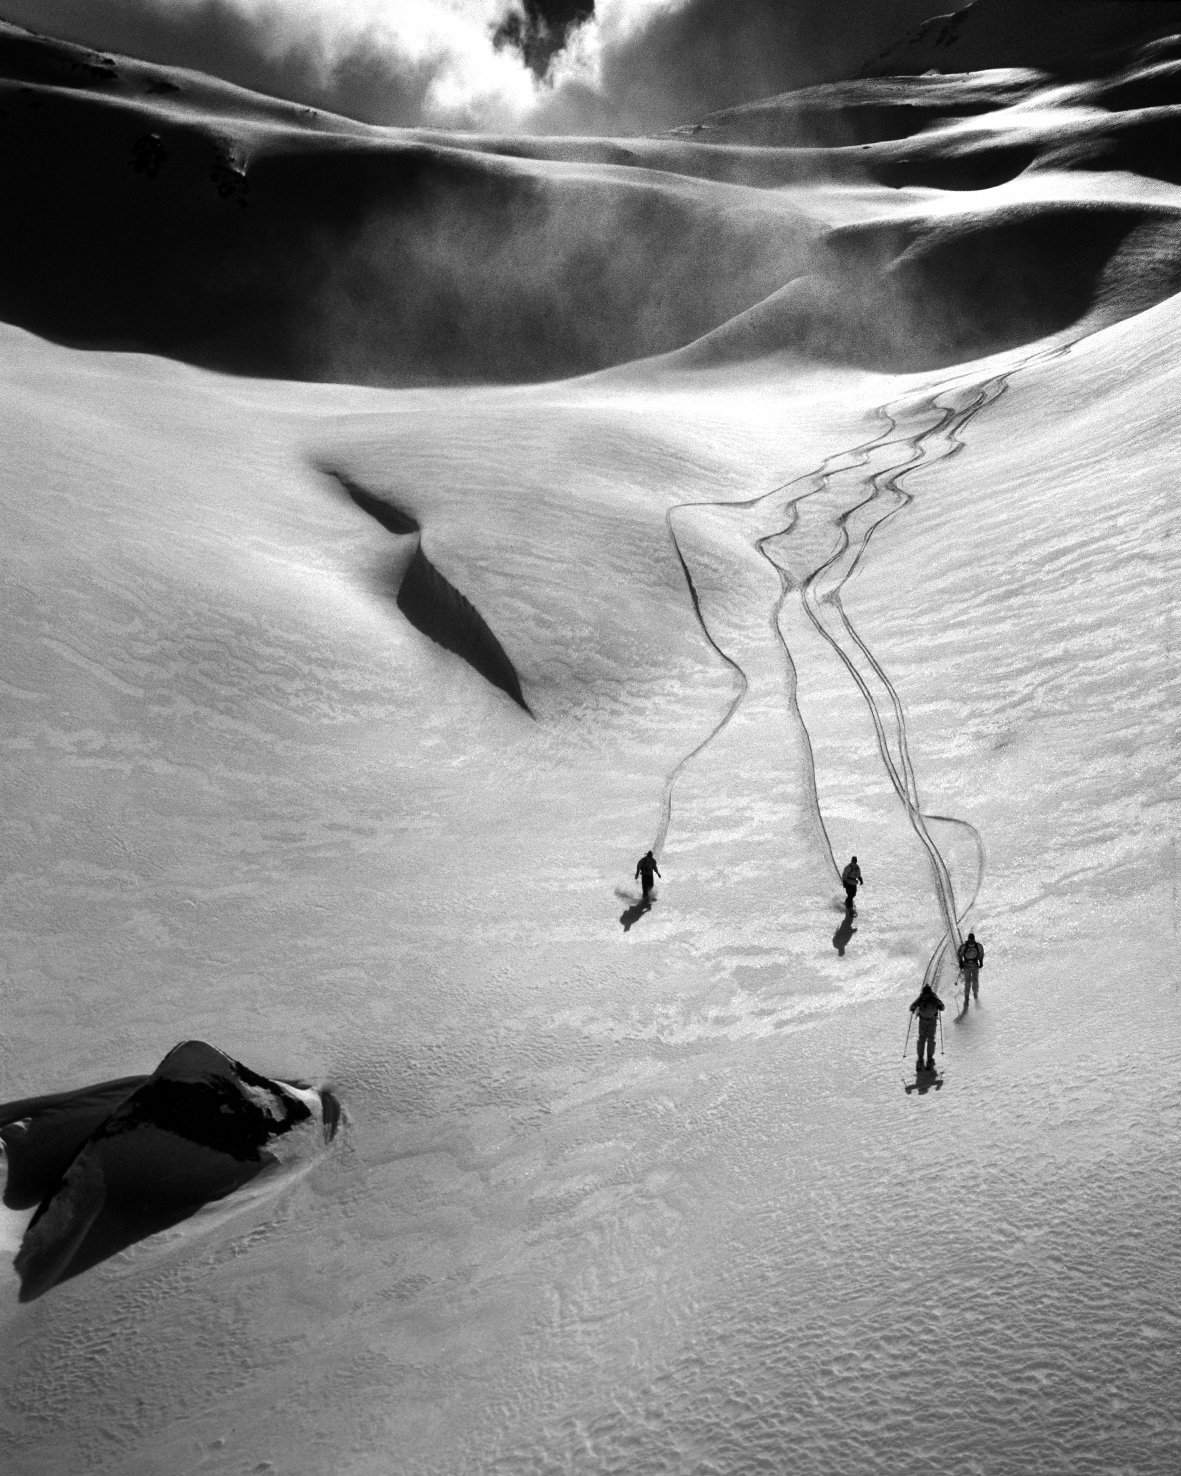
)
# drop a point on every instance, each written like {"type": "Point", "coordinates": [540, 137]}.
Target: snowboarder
{"type": "Point", "coordinates": [645, 866]}
{"type": "Point", "coordinates": [927, 1008]}
{"type": "Point", "coordinates": [971, 957]}
{"type": "Point", "coordinates": [851, 877]}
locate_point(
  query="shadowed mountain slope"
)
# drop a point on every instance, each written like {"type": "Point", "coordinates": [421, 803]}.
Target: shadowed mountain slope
{"type": "Point", "coordinates": [1071, 38]}
{"type": "Point", "coordinates": [275, 251]}
{"type": "Point", "coordinates": [163, 212]}
{"type": "Point", "coordinates": [861, 111]}
{"type": "Point", "coordinates": [914, 294]}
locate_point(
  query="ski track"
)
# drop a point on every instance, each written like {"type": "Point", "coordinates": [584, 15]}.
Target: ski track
{"type": "Point", "coordinates": [863, 502]}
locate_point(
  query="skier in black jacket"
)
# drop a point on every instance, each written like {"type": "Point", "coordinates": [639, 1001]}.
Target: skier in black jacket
{"type": "Point", "coordinates": [645, 866]}
{"type": "Point", "coordinates": [971, 957]}
{"type": "Point", "coordinates": [926, 1008]}
{"type": "Point", "coordinates": [851, 878]}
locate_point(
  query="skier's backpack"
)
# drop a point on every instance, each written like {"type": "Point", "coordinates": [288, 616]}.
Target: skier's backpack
{"type": "Point", "coordinates": [971, 953]}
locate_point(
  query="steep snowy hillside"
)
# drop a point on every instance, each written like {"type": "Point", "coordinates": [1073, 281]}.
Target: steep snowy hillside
{"type": "Point", "coordinates": [403, 533]}
{"type": "Point", "coordinates": [162, 213]}
{"type": "Point", "coordinates": [1067, 37]}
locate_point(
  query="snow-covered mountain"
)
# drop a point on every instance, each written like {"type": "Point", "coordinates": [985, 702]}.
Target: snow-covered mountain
{"type": "Point", "coordinates": [403, 532]}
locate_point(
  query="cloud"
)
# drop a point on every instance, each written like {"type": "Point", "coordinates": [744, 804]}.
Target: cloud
{"type": "Point", "coordinates": [610, 66]}
{"type": "Point", "coordinates": [539, 30]}
{"type": "Point", "coordinates": [657, 65]}
{"type": "Point", "coordinates": [429, 62]}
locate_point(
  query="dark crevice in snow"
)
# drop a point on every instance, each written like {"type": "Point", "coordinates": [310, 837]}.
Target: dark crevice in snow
{"type": "Point", "coordinates": [392, 518]}
{"type": "Point", "coordinates": [433, 605]}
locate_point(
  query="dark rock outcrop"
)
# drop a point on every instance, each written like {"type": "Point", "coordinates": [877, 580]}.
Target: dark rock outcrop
{"type": "Point", "coordinates": [111, 1164]}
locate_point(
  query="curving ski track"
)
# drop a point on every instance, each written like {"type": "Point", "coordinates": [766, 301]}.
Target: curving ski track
{"type": "Point", "coordinates": [743, 683]}
{"type": "Point", "coordinates": [850, 505]}
{"type": "Point", "coordinates": [820, 596]}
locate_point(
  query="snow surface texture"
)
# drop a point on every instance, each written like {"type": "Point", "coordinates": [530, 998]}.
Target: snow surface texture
{"type": "Point", "coordinates": [868, 566]}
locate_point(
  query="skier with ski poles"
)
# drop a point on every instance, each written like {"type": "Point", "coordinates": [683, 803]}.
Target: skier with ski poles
{"type": "Point", "coordinates": [971, 957]}
{"type": "Point", "coordinates": [926, 1009]}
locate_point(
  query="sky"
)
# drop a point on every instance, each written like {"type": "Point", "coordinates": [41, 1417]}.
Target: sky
{"type": "Point", "coordinates": [558, 66]}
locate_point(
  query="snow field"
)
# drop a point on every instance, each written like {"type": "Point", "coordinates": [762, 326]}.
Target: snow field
{"type": "Point", "coordinates": [653, 1200]}
{"type": "Point", "coordinates": [649, 1198]}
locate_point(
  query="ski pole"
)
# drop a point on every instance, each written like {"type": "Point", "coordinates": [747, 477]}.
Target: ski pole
{"type": "Point", "coordinates": [906, 1047]}
{"type": "Point", "coordinates": [940, 1018]}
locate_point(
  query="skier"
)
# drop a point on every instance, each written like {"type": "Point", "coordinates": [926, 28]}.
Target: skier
{"type": "Point", "coordinates": [645, 866]}
{"type": "Point", "coordinates": [927, 1008]}
{"type": "Point", "coordinates": [851, 877]}
{"type": "Point", "coordinates": [971, 958]}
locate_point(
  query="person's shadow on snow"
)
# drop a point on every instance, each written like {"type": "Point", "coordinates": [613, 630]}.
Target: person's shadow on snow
{"type": "Point", "coordinates": [842, 935]}
{"type": "Point", "coordinates": [631, 915]}
{"type": "Point", "coordinates": [924, 1082]}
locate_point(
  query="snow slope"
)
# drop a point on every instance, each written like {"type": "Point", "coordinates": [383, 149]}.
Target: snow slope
{"type": "Point", "coordinates": [821, 561]}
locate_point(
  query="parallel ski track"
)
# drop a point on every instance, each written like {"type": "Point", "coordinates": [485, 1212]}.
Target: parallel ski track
{"type": "Point", "coordinates": [743, 683]}
{"type": "Point", "coordinates": [883, 488]}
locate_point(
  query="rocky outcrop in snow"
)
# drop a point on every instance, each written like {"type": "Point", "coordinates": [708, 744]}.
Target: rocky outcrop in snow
{"type": "Point", "coordinates": [108, 1165]}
